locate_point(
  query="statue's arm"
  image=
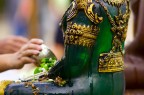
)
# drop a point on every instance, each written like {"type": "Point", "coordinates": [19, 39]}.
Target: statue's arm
{"type": "Point", "coordinates": [57, 69]}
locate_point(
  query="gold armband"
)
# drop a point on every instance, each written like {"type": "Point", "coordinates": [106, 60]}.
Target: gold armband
{"type": "Point", "coordinates": [80, 34]}
{"type": "Point", "coordinates": [111, 62]}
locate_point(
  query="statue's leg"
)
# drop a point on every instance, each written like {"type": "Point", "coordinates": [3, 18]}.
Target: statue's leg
{"type": "Point", "coordinates": [108, 84]}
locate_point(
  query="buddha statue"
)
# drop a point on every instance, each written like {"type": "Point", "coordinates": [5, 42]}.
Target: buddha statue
{"type": "Point", "coordinates": [94, 33]}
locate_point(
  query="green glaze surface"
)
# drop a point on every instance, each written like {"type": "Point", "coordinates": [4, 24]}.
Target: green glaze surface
{"type": "Point", "coordinates": [84, 61]}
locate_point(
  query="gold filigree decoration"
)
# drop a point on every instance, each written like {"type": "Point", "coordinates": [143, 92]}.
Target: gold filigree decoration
{"type": "Point", "coordinates": [35, 89]}
{"type": "Point", "coordinates": [111, 62]}
{"type": "Point", "coordinates": [59, 81]}
{"type": "Point", "coordinates": [115, 2]}
{"type": "Point", "coordinates": [72, 12]}
{"type": "Point", "coordinates": [119, 28]}
{"type": "Point", "coordinates": [87, 6]}
{"type": "Point", "coordinates": [80, 34]}
{"type": "Point", "coordinates": [119, 25]}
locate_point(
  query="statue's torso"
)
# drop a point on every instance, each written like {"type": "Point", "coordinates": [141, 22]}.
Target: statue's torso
{"type": "Point", "coordinates": [94, 30]}
{"type": "Point", "coordinates": [101, 62]}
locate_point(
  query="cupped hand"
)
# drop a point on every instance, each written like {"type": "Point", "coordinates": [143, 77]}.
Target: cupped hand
{"type": "Point", "coordinates": [24, 55]}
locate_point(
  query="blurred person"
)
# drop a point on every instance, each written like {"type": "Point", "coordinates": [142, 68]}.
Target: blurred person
{"type": "Point", "coordinates": [19, 13]}
{"type": "Point", "coordinates": [12, 44]}
{"type": "Point", "coordinates": [18, 59]}
{"type": "Point", "coordinates": [134, 57]}
{"type": "Point", "coordinates": [53, 34]}
{"type": "Point", "coordinates": [51, 12]}
{"type": "Point", "coordinates": [136, 47]}
{"type": "Point", "coordinates": [59, 44]}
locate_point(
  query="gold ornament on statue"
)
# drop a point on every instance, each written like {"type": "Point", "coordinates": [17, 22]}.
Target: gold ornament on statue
{"type": "Point", "coordinates": [113, 61]}
{"type": "Point", "coordinates": [115, 2]}
{"type": "Point", "coordinates": [83, 35]}
{"type": "Point", "coordinates": [87, 6]}
{"type": "Point", "coordinates": [3, 85]}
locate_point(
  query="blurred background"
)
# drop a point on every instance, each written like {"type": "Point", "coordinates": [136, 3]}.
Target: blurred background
{"type": "Point", "coordinates": [40, 19]}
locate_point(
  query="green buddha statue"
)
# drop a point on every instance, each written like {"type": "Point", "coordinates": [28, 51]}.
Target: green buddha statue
{"type": "Point", "coordinates": [94, 33]}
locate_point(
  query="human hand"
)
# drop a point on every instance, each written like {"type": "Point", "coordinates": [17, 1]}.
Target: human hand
{"type": "Point", "coordinates": [12, 44]}
{"type": "Point", "coordinates": [24, 55]}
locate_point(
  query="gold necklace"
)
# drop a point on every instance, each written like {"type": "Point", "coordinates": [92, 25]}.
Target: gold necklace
{"type": "Point", "coordinates": [87, 6]}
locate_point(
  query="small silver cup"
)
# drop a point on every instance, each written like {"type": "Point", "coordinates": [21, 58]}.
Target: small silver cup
{"type": "Point", "coordinates": [44, 53]}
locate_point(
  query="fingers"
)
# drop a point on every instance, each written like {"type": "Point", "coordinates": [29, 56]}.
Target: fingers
{"type": "Point", "coordinates": [24, 55]}
{"type": "Point", "coordinates": [14, 43]}
{"type": "Point", "coordinates": [30, 53]}
{"type": "Point", "coordinates": [12, 49]}
{"type": "Point", "coordinates": [27, 60]}
{"type": "Point", "coordinates": [17, 41]}
{"type": "Point", "coordinates": [15, 47]}
{"type": "Point", "coordinates": [33, 47]}
{"type": "Point", "coordinates": [36, 41]}
{"type": "Point", "coordinates": [20, 39]}
{"type": "Point", "coordinates": [34, 44]}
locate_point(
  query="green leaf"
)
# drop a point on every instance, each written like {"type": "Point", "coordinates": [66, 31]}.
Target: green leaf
{"type": "Point", "coordinates": [46, 64]}
{"type": "Point", "coordinates": [37, 70]}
